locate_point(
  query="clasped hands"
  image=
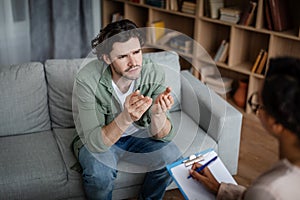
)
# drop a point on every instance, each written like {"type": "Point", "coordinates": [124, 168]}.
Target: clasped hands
{"type": "Point", "coordinates": [136, 104]}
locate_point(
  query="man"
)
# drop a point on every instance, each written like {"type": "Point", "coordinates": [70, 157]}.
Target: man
{"type": "Point", "coordinates": [123, 114]}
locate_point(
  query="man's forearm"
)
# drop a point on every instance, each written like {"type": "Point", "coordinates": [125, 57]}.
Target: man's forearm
{"type": "Point", "coordinates": [160, 125]}
{"type": "Point", "coordinates": [112, 132]}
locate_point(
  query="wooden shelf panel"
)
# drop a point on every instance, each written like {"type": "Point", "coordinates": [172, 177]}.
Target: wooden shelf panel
{"type": "Point", "coordinates": [210, 37]}
{"type": "Point", "coordinates": [245, 45]}
{"type": "Point", "coordinates": [137, 14]}
{"type": "Point", "coordinates": [111, 7]}
{"type": "Point", "coordinates": [280, 46]}
{"type": "Point", "coordinates": [186, 25]}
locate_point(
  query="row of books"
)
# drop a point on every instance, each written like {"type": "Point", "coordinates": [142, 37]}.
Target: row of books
{"type": "Point", "coordinates": [259, 65]}
{"type": "Point", "coordinates": [230, 14]}
{"type": "Point", "coordinates": [248, 15]}
{"type": "Point", "coordinates": [188, 7]}
{"type": "Point", "coordinates": [277, 15]}
{"type": "Point", "coordinates": [211, 77]}
{"type": "Point", "coordinates": [215, 9]}
{"type": "Point", "coordinates": [172, 5]}
{"type": "Point", "coordinates": [212, 8]}
{"type": "Point", "coordinates": [222, 52]}
{"type": "Point", "coordinates": [221, 85]}
{"type": "Point", "coordinates": [176, 40]}
{"type": "Point", "coordinates": [156, 3]}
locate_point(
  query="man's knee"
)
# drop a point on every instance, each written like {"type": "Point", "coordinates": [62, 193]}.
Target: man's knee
{"type": "Point", "coordinates": [171, 152]}
{"type": "Point", "coordinates": [102, 176]}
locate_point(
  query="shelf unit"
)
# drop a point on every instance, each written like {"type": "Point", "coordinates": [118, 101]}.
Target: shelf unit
{"type": "Point", "coordinates": [245, 42]}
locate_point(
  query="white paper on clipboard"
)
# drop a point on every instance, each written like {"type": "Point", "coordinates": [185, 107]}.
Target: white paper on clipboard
{"type": "Point", "coordinates": [192, 189]}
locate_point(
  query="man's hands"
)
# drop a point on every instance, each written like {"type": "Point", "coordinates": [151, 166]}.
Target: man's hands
{"type": "Point", "coordinates": [136, 105]}
{"type": "Point", "coordinates": [206, 178]}
{"type": "Point", "coordinates": [163, 102]}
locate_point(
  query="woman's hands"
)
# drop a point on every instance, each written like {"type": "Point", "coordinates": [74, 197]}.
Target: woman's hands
{"type": "Point", "coordinates": [206, 178]}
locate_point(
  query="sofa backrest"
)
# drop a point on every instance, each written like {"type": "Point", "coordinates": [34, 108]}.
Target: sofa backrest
{"type": "Point", "coordinates": [23, 99]}
{"type": "Point", "coordinates": [169, 60]}
{"type": "Point", "coordinates": [60, 74]}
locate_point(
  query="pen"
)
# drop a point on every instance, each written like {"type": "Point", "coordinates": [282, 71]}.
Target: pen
{"type": "Point", "coordinates": [205, 165]}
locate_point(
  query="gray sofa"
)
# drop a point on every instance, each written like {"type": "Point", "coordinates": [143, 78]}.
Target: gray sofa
{"type": "Point", "coordinates": [36, 128]}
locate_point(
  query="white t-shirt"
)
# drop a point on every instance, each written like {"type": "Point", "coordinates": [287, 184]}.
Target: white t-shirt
{"type": "Point", "coordinates": [122, 96]}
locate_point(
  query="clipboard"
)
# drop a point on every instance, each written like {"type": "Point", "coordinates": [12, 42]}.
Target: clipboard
{"type": "Point", "coordinates": [191, 189]}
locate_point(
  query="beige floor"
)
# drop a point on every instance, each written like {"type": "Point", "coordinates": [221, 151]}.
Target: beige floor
{"type": "Point", "coordinates": [258, 151]}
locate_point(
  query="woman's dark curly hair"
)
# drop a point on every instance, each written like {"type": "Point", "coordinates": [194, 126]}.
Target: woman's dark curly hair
{"type": "Point", "coordinates": [120, 31]}
{"type": "Point", "coordinates": [281, 92]}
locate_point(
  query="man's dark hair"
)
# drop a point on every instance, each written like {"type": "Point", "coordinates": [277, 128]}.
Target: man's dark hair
{"type": "Point", "coordinates": [281, 92]}
{"type": "Point", "coordinates": [120, 31]}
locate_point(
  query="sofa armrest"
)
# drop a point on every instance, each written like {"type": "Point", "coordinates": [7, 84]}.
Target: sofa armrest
{"type": "Point", "coordinates": [217, 117]}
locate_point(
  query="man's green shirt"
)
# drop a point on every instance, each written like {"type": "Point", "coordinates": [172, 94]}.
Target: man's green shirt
{"type": "Point", "coordinates": [98, 105]}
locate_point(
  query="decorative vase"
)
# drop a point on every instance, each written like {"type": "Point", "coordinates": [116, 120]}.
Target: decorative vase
{"type": "Point", "coordinates": [240, 95]}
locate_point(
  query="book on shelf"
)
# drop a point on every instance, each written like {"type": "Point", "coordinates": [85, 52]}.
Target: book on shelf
{"type": "Point", "coordinates": [172, 5]}
{"type": "Point", "coordinates": [207, 70]}
{"type": "Point", "coordinates": [230, 14]}
{"type": "Point", "coordinates": [231, 19]}
{"type": "Point", "coordinates": [256, 63]}
{"type": "Point", "coordinates": [267, 12]}
{"type": "Point", "coordinates": [214, 8]}
{"type": "Point", "coordinates": [182, 43]}
{"type": "Point", "coordinates": [248, 15]}
{"type": "Point", "coordinates": [220, 85]}
{"type": "Point", "coordinates": [158, 31]}
{"type": "Point", "coordinates": [189, 7]}
{"type": "Point", "coordinates": [260, 62]}
{"type": "Point", "coordinates": [279, 14]}
{"type": "Point", "coordinates": [167, 37]}
{"type": "Point", "coordinates": [156, 3]}
{"type": "Point", "coordinates": [222, 51]}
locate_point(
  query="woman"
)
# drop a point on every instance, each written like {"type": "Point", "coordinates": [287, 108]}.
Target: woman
{"type": "Point", "coordinates": [279, 112]}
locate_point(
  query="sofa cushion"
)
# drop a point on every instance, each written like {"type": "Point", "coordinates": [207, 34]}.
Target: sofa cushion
{"type": "Point", "coordinates": [33, 168]}
{"type": "Point", "coordinates": [169, 60]}
{"type": "Point", "coordinates": [60, 75]}
{"type": "Point", "coordinates": [23, 99]}
{"type": "Point", "coordinates": [64, 139]}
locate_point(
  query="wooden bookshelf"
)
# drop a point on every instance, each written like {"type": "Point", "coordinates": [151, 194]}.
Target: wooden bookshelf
{"type": "Point", "coordinates": [245, 42]}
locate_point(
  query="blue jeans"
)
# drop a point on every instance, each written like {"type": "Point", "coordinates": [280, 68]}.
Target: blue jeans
{"type": "Point", "coordinates": [100, 169]}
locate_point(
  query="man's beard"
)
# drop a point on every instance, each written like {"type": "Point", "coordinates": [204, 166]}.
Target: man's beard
{"type": "Point", "coordinates": [123, 74]}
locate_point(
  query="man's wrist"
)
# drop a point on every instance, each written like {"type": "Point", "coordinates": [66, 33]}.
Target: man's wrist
{"type": "Point", "coordinates": [161, 114]}
{"type": "Point", "coordinates": [123, 120]}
